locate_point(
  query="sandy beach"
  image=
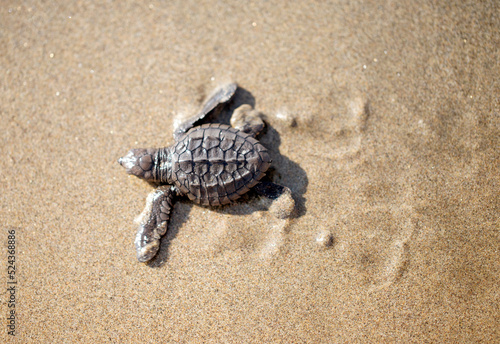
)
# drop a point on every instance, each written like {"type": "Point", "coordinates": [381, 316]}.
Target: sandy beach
{"type": "Point", "coordinates": [383, 118]}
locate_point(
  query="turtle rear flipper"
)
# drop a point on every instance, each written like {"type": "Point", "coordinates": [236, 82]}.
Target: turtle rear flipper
{"type": "Point", "coordinates": [215, 102]}
{"type": "Point", "coordinates": [283, 205]}
{"type": "Point", "coordinates": [153, 222]}
{"type": "Point", "coordinates": [247, 119]}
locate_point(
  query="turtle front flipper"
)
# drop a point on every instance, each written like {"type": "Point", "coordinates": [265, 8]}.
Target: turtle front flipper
{"type": "Point", "coordinates": [215, 102]}
{"type": "Point", "coordinates": [153, 222]}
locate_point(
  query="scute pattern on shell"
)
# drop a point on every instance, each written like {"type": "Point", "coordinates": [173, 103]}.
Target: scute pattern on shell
{"type": "Point", "coordinates": [214, 164]}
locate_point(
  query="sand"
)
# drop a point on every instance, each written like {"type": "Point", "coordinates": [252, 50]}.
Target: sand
{"type": "Point", "coordinates": [383, 120]}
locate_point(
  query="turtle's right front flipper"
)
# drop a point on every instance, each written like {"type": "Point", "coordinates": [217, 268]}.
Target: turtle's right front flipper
{"type": "Point", "coordinates": [215, 101]}
{"type": "Point", "coordinates": [153, 222]}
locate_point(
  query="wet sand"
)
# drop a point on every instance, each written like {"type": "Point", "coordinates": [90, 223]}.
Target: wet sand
{"type": "Point", "coordinates": [383, 120]}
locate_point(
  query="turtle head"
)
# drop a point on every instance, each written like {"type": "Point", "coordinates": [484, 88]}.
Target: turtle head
{"type": "Point", "coordinates": [140, 163]}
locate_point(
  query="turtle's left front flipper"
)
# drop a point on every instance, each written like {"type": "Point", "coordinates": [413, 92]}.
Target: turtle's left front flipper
{"type": "Point", "coordinates": [153, 222]}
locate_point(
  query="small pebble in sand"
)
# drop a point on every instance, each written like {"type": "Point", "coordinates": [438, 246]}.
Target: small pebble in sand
{"type": "Point", "coordinates": [287, 119]}
{"type": "Point", "coordinates": [324, 239]}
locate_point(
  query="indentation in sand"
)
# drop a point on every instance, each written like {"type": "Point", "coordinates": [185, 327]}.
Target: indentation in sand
{"type": "Point", "coordinates": [339, 133]}
{"type": "Point", "coordinates": [254, 234]}
{"type": "Point", "coordinates": [377, 250]}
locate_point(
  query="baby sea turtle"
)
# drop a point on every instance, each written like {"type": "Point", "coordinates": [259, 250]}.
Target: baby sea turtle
{"type": "Point", "coordinates": [212, 164]}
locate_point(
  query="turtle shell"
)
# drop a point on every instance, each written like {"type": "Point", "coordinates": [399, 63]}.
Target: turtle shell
{"type": "Point", "coordinates": [215, 164]}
